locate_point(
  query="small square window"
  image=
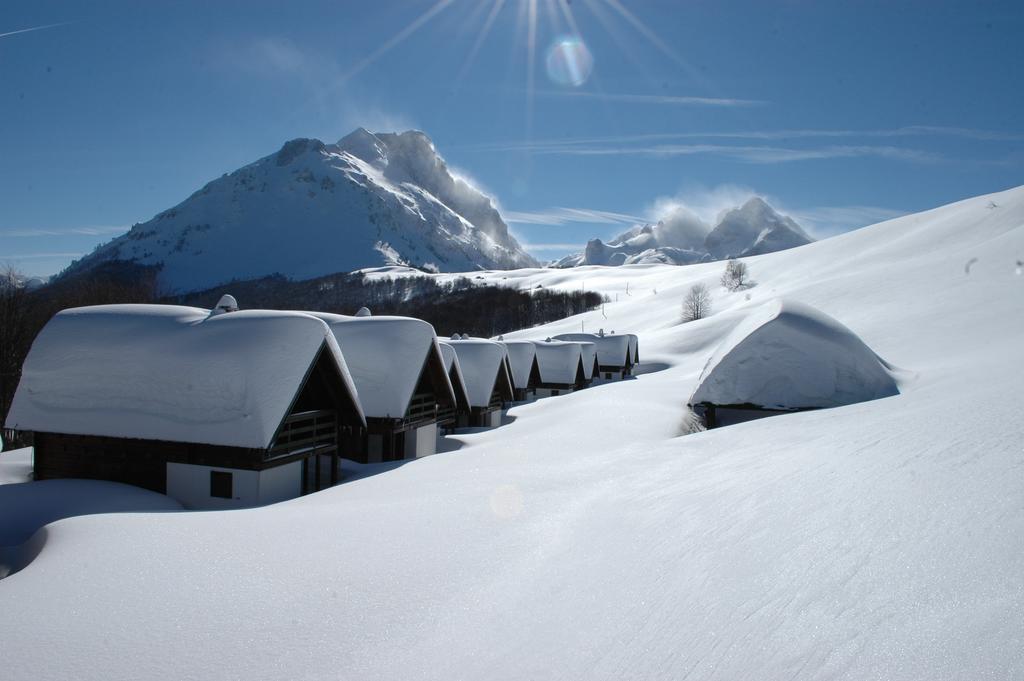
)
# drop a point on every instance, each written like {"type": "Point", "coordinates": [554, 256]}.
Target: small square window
{"type": "Point", "coordinates": [221, 485]}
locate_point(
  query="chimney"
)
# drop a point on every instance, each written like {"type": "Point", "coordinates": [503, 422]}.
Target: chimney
{"type": "Point", "coordinates": [363, 312]}
{"type": "Point", "coordinates": [227, 303]}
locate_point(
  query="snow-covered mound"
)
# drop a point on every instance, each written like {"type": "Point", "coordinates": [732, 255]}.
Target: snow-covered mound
{"type": "Point", "coordinates": [313, 209]}
{"type": "Point", "coordinates": [681, 238]}
{"type": "Point", "coordinates": [586, 539]}
{"type": "Point", "coordinates": [28, 506]}
{"type": "Point", "coordinates": [16, 465]}
{"type": "Point", "coordinates": [787, 355]}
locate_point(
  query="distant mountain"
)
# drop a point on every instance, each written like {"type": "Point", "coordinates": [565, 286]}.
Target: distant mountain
{"type": "Point", "coordinates": [313, 209]}
{"type": "Point", "coordinates": [752, 229]}
{"type": "Point", "coordinates": [682, 238]}
{"type": "Point", "coordinates": [12, 279]}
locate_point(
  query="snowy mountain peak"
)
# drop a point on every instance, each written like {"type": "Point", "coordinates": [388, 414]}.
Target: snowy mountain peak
{"type": "Point", "coordinates": [295, 148]}
{"type": "Point", "coordinates": [312, 209]}
{"type": "Point", "coordinates": [752, 229]}
{"type": "Point", "coordinates": [364, 145]}
{"type": "Point", "coordinates": [680, 237]}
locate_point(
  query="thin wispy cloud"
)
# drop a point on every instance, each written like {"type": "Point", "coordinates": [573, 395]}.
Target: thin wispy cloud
{"type": "Point", "coordinates": [274, 57]}
{"type": "Point", "coordinates": [557, 146]}
{"type": "Point", "coordinates": [308, 68]}
{"type": "Point", "coordinates": [552, 247]}
{"type": "Point", "coordinates": [34, 28]}
{"type": "Point", "coordinates": [37, 256]}
{"type": "Point", "coordinates": [67, 231]}
{"type": "Point", "coordinates": [825, 221]}
{"type": "Point", "coordinates": [561, 216]}
{"type": "Point", "coordinates": [672, 100]}
{"type": "Point", "coordinates": [746, 154]}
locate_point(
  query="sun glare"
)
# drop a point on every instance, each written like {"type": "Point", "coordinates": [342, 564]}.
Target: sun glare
{"type": "Point", "coordinates": [568, 59]}
{"type": "Point", "coordinates": [569, 62]}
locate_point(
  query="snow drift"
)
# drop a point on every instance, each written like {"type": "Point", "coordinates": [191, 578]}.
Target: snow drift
{"type": "Point", "coordinates": [787, 355]}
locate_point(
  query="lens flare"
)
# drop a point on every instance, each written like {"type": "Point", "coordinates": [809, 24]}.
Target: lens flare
{"type": "Point", "coordinates": [569, 62]}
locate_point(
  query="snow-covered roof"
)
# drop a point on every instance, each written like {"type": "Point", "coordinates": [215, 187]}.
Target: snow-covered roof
{"type": "Point", "coordinates": [788, 355]}
{"type": "Point", "coordinates": [167, 372]}
{"type": "Point", "coordinates": [482, 363]}
{"type": "Point", "coordinates": [588, 353]}
{"type": "Point", "coordinates": [612, 349]}
{"type": "Point", "coordinates": [386, 356]}
{"type": "Point", "coordinates": [454, 371]}
{"type": "Point", "coordinates": [558, 361]}
{"type": "Point", "coordinates": [634, 347]}
{"type": "Point", "coordinates": [520, 358]}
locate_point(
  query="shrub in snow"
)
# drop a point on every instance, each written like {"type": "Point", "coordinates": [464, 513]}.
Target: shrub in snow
{"type": "Point", "coordinates": [697, 303]}
{"type": "Point", "coordinates": [736, 275]}
{"type": "Point", "coordinates": [690, 423]}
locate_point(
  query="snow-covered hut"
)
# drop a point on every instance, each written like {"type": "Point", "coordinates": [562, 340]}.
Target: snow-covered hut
{"type": "Point", "coordinates": [634, 347]}
{"type": "Point", "coordinates": [220, 409]}
{"type": "Point", "coordinates": [448, 418]}
{"type": "Point", "coordinates": [561, 367]}
{"type": "Point", "coordinates": [787, 356]}
{"type": "Point", "coordinates": [488, 383]}
{"type": "Point", "coordinates": [522, 360]}
{"type": "Point", "coordinates": [397, 368]}
{"type": "Point", "coordinates": [614, 355]}
{"type": "Point", "coordinates": [588, 355]}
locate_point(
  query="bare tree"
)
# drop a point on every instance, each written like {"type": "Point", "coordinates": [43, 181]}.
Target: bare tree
{"type": "Point", "coordinates": [697, 303]}
{"type": "Point", "coordinates": [736, 275]}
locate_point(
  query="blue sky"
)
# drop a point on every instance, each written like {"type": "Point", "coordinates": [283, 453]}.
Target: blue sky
{"type": "Point", "coordinates": [841, 113]}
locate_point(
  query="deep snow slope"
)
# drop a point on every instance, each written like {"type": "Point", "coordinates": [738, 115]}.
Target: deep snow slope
{"type": "Point", "coordinates": [586, 539]}
{"type": "Point", "coordinates": [313, 209]}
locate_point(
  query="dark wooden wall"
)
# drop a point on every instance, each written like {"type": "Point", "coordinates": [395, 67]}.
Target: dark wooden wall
{"type": "Point", "coordinates": [135, 462]}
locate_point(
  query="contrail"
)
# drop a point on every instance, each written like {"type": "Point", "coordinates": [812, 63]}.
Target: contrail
{"type": "Point", "coordinates": [34, 28]}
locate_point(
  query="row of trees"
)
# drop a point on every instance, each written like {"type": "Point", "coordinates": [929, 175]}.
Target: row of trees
{"type": "Point", "coordinates": [459, 305]}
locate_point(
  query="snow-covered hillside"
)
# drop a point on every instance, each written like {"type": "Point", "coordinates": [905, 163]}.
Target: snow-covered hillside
{"type": "Point", "coordinates": [682, 238]}
{"type": "Point", "coordinates": [588, 539]}
{"type": "Point", "coordinates": [313, 209]}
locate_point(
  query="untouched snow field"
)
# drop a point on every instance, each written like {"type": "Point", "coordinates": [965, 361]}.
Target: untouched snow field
{"type": "Point", "coordinates": [587, 540]}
